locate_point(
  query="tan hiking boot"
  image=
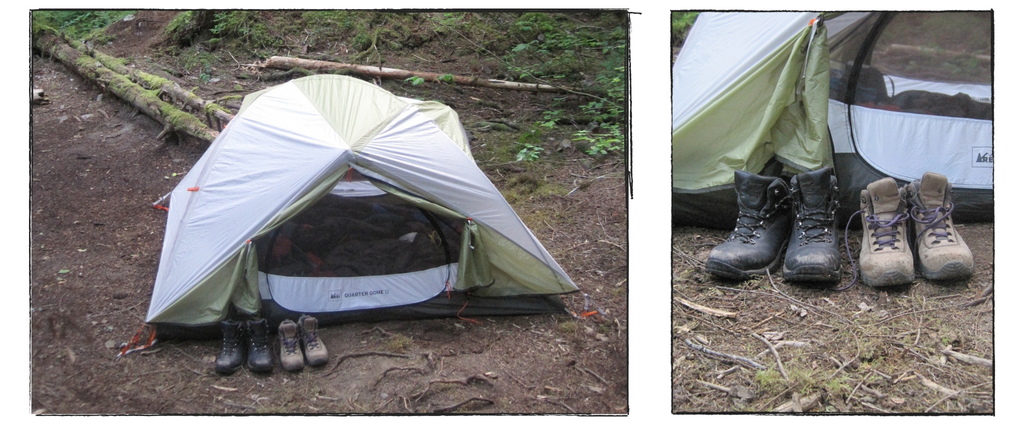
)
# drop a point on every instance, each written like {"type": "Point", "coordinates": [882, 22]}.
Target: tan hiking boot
{"type": "Point", "coordinates": [316, 351]}
{"type": "Point", "coordinates": [291, 354]}
{"type": "Point", "coordinates": [941, 253]}
{"type": "Point", "coordinates": [885, 255]}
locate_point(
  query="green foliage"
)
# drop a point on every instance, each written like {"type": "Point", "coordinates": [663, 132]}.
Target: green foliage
{"type": "Point", "coordinates": [530, 149]}
{"type": "Point", "coordinates": [446, 78]}
{"type": "Point", "coordinates": [246, 26]}
{"type": "Point", "coordinates": [681, 24]}
{"type": "Point", "coordinates": [78, 24]}
{"type": "Point", "coordinates": [415, 80]}
{"type": "Point", "coordinates": [554, 48]}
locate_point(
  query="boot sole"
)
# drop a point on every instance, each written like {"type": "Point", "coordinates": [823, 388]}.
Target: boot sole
{"type": "Point", "coordinates": [811, 274]}
{"type": "Point", "coordinates": [891, 278]}
{"type": "Point", "coordinates": [727, 271]}
{"type": "Point", "coordinates": [228, 371]}
{"type": "Point", "coordinates": [949, 271]}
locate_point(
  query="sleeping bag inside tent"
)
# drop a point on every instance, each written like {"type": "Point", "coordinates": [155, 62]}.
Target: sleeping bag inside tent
{"type": "Point", "coordinates": [332, 197]}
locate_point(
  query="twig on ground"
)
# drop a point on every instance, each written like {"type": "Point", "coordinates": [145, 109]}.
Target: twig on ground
{"type": "Point", "coordinates": [599, 378]}
{"type": "Point", "coordinates": [805, 402]}
{"type": "Point", "coordinates": [456, 406]}
{"type": "Point", "coordinates": [781, 344]}
{"type": "Point", "coordinates": [704, 309]}
{"type": "Point", "coordinates": [931, 384]}
{"type": "Point", "coordinates": [778, 360]}
{"type": "Point", "coordinates": [465, 382]}
{"type": "Point", "coordinates": [357, 355]}
{"type": "Point", "coordinates": [967, 358]}
{"type": "Point", "coordinates": [872, 406]}
{"type": "Point", "coordinates": [743, 361]}
{"type": "Point", "coordinates": [557, 402]}
{"type": "Point", "coordinates": [713, 386]}
{"type": "Point", "coordinates": [385, 374]}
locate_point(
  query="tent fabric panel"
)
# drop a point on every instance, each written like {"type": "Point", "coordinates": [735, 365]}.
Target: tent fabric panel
{"type": "Point", "coordinates": [207, 300]}
{"type": "Point", "coordinates": [334, 294]}
{"type": "Point", "coordinates": [801, 134]}
{"type": "Point", "coordinates": [414, 154]}
{"type": "Point", "coordinates": [516, 272]}
{"type": "Point", "coordinates": [733, 131]}
{"type": "Point", "coordinates": [447, 119]}
{"type": "Point", "coordinates": [351, 106]}
{"type": "Point", "coordinates": [959, 148]}
{"type": "Point", "coordinates": [240, 188]}
{"type": "Point", "coordinates": [699, 77]}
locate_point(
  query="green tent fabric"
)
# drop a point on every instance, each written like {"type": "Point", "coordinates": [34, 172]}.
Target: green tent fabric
{"type": "Point", "coordinates": [776, 108]}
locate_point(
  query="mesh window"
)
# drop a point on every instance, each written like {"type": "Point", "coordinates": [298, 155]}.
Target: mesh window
{"type": "Point", "coordinates": [359, 236]}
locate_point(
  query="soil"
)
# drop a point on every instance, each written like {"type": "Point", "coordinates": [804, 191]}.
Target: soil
{"type": "Point", "coordinates": [866, 350]}
{"type": "Point", "coordinates": [97, 167]}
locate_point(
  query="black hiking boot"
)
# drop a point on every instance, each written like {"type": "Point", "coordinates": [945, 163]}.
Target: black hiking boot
{"type": "Point", "coordinates": [232, 354]}
{"type": "Point", "coordinates": [813, 253]}
{"type": "Point", "coordinates": [260, 359]}
{"type": "Point", "coordinates": [762, 229]}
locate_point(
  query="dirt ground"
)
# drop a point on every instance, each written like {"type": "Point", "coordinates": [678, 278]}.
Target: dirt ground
{"type": "Point", "coordinates": [864, 351]}
{"type": "Point", "coordinates": [96, 168]}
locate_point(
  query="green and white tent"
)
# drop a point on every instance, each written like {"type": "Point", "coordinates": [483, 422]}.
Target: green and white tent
{"type": "Point", "coordinates": [330, 196]}
{"type": "Point", "coordinates": [872, 94]}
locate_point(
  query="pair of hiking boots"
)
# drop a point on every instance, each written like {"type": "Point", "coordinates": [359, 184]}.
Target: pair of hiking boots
{"type": "Point", "coordinates": [802, 213]}
{"type": "Point", "coordinates": [887, 255]}
{"type": "Point", "coordinates": [244, 342]}
{"type": "Point", "coordinates": [776, 218]}
{"type": "Point", "coordinates": [298, 341]}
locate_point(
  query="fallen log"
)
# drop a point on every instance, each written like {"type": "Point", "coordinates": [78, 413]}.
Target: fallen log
{"type": "Point", "coordinates": [146, 101]}
{"type": "Point", "coordinates": [288, 63]}
{"type": "Point", "coordinates": [153, 82]}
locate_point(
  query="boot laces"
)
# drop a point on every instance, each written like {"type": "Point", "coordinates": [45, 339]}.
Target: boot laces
{"type": "Point", "coordinates": [291, 345]}
{"type": "Point", "coordinates": [750, 221]}
{"type": "Point", "coordinates": [311, 339]}
{"type": "Point", "coordinates": [892, 234]}
{"type": "Point", "coordinates": [816, 224]}
{"type": "Point", "coordinates": [936, 220]}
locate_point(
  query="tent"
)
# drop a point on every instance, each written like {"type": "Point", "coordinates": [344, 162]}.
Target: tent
{"type": "Point", "coordinates": [330, 196]}
{"type": "Point", "coordinates": [872, 94]}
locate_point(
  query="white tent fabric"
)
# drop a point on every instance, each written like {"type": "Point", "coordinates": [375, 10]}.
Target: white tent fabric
{"type": "Point", "coordinates": [759, 34]}
{"type": "Point", "coordinates": [951, 145]}
{"type": "Point", "coordinates": [229, 200]}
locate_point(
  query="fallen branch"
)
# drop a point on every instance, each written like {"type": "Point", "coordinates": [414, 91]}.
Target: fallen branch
{"type": "Point", "coordinates": [781, 344]}
{"type": "Point", "coordinates": [385, 374]}
{"type": "Point", "coordinates": [124, 88]}
{"type": "Point", "coordinates": [287, 63]}
{"type": "Point", "coordinates": [982, 298]}
{"type": "Point", "coordinates": [153, 82]}
{"type": "Point", "coordinates": [743, 361]}
{"type": "Point", "coordinates": [703, 309]}
{"type": "Point", "coordinates": [967, 358]}
{"type": "Point", "coordinates": [712, 386]}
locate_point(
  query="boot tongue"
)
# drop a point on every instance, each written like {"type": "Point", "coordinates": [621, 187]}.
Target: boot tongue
{"type": "Point", "coordinates": [933, 190]}
{"type": "Point", "coordinates": [885, 197]}
{"type": "Point", "coordinates": [815, 187]}
{"type": "Point", "coordinates": [752, 189]}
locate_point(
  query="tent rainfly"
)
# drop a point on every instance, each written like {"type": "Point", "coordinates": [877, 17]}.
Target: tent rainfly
{"type": "Point", "coordinates": [330, 196]}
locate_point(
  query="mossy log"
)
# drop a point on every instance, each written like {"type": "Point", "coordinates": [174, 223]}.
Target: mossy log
{"type": "Point", "coordinates": [147, 101]}
{"type": "Point", "coordinates": [283, 62]}
{"type": "Point", "coordinates": [153, 82]}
